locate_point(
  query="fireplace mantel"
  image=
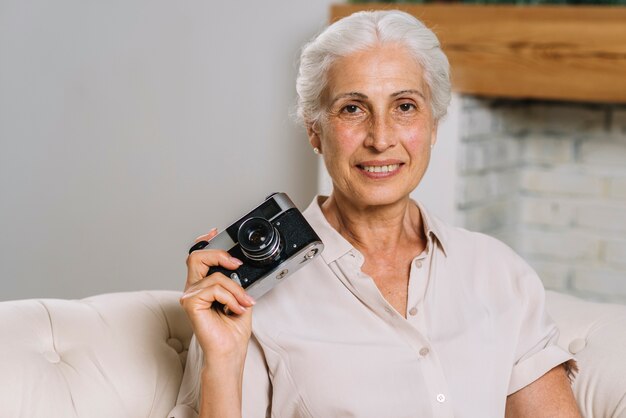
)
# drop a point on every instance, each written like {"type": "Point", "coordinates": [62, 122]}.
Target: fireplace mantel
{"type": "Point", "coordinates": [569, 53]}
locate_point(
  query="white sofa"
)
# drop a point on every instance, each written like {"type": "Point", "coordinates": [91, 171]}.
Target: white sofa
{"type": "Point", "coordinates": [122, 355]}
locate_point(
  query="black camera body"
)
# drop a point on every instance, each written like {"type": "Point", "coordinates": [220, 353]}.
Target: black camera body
{"type": "Point", "coordinates": [273, 240]}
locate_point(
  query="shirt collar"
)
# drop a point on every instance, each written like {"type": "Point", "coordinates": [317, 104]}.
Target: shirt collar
{"type": "Point", "coordinates": [336, 246]}
{"type": "Point", "coordinates": [434, 227]}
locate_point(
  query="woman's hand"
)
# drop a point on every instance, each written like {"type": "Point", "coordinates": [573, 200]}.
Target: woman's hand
{"type": "Point", "coordinates": [223, 334]}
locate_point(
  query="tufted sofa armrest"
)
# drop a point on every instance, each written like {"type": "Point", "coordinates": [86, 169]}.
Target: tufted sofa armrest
{"type": "Point", "coordinates": [596, 334]}
{"type": "Point", "coordinates": [114, 355]}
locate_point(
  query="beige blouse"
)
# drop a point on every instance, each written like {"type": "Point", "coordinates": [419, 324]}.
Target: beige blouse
{"type": "Point", "coordinates": [327, 344]}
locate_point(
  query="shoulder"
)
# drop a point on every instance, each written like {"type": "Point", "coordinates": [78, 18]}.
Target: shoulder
{"type": "Point", "coordinates": [486, 264]}
{"type": "Point", "coordinates": [462, 245]}
{"type": "Point", "coordinates": [483, 246]}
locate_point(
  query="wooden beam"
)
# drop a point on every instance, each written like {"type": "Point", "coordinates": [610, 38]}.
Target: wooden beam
{"type": "Point", "coordinates": [574, 53]}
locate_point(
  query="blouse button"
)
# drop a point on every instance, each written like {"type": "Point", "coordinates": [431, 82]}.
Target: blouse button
{"type": "Point", "coordinates": [413, 311]}
{"type": "Point", "coordinates": [176, 344]}
{"type": "Point", "coordinates": [577, 345]}
{"type": "Point", "coordinates": [441, 398]}
{"type": "Point", "coordinates": [418, 264]}
{"type": "Point", "coordinates": [424, 351]}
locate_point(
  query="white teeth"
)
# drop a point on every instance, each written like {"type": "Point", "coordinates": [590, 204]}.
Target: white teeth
{"type": "Point", "coordinates": [381, 168]}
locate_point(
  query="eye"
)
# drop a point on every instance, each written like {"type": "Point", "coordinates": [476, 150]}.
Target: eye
{"type": "Point", "coordinates": [351, 108]}
{"type": "Point", "coordinates": [405, 107]}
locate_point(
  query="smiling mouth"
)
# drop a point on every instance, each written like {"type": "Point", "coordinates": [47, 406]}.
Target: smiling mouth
{"type": "Point", "coordinates": [380, 168]}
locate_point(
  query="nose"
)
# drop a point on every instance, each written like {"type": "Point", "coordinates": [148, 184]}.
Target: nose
{"type": "Point", "coordinates": [380, 135]}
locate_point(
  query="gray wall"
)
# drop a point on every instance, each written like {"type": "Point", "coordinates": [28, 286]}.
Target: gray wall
{"type": "Point", "coordinates": [127, 128]}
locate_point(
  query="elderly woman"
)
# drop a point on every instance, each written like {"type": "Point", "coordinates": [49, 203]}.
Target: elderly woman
{"type": "Point", "coordinates": [402, 315]}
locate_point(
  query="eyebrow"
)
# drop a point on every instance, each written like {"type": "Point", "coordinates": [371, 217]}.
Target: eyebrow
{"type": "Point", "coordinates": [411, 91]}
{"type": "Point", "coordinates": [357, 95]}
{"type": "Point", "coordinates": [354, 95]}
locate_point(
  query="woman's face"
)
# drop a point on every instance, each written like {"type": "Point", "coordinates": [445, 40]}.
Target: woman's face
{"type": "Point", "coordinates": [377, 130]}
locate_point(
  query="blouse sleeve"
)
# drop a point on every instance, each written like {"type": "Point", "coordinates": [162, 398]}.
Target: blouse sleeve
{"type": "Point", "coordinates": [256, 383]}
{"type": "Point", "coordinates": [537, 351]}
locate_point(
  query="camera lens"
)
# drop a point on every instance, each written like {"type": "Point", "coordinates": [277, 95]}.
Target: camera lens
{"type": "Point", "coordinates": [259, 240]}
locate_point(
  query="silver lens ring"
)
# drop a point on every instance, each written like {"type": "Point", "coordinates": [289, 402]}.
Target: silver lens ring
{"type": "Point", "coordinates": [259, 240]}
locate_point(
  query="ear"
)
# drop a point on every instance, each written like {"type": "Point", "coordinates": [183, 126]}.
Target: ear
{"type": "Point", "coordinates": [433, 134]}
{"type": "Point", "coordinates": [312, 130]}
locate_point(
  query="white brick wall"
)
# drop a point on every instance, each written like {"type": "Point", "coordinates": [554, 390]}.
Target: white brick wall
{"type": "Point", "coordinates": [562, 119]}
{"type": "Point", "coordinates": [618, 121]}
{"type": "Point", "coordinates": [563, 245]}
{"type": "Point", "coordinates": [488, 153]}
{"type": "Point", "coordinates": [550, 180]}
{"type": "Point", "coordinates": [600, 283]}
{"type": "Point", "coordinates": [487, 162]}
{"type": "Point", "coordinates": [486, 187]}
{"type": "Point", "coordinates": [477, 120]}
{"type": "Point", "coordinates": [555, 275]}
{"type": "Point", "coordinates": [550, 118]}
{"type": "Point", "coordinates": [617, 188]}
{"type": "Point", "coordinates": [491, 216]}
{"type": "Point", "coordinates": [609, 217]}
{"type": "Point", "coordinates": [542, 211]}
{"type": "Point", "coordinates": [543, 150]}
{"type": "Point", "coordinates": [565, 181]}
{"type": "Point", "coordinates": [604, 152]}
{"type": "Point", "coordinates": [615, 253]}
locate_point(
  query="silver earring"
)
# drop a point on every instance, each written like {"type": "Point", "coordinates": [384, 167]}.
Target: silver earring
{"type": "Point", "coordinates": [316, 150]}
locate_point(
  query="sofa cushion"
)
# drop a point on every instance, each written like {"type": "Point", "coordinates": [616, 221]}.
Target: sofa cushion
{"type": "Point", "coordinates": [596, 334]}
{"type": "Point", "coordinates": [114, 355]}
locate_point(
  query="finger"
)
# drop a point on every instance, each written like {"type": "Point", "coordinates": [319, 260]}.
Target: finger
{"type": "Point", "coordinates": [206, 237]}
{"type": "Point", "coordinates": [199, 262]}
{"type": "Point", "coordinates": [204, 298]}
{"type": "Point", "coordinates": [234, 288]}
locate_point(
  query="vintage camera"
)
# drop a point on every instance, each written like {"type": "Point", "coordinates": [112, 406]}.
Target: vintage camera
{"type": "Point", "coordinates": [273, 240]}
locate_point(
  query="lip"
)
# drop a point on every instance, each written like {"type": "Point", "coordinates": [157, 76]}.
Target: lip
{"type": "Point", "coordinates": [379, 163]}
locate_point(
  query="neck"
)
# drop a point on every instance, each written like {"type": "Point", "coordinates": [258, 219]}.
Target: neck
{"type": "Point", "coordinates": [379, 228]}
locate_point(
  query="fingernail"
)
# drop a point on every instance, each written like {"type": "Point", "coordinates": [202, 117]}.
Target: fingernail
{"type": "Point", "coordinates": [236, 261]}
{"type": "Point", "coordinates": [250, 299]}
{"type": "Point", "coordinates": [229, 311]}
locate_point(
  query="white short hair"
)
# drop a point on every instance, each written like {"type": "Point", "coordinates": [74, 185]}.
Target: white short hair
{"type": "Point", "coordinates": [363, 30]}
